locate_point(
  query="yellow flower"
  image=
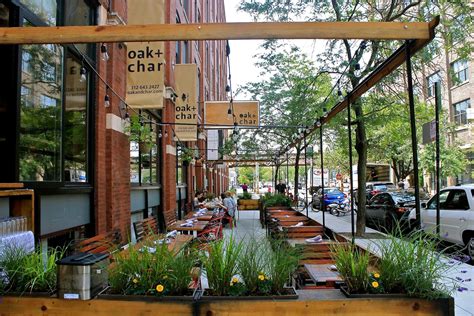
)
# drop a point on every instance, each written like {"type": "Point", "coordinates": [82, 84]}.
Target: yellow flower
{"type": "Point", "coordinates": [375, 284]}
{"type": "Point", "coordinates": [376, 275]}
{"type": "Point", "coordinates": [160, 288]}
{"type": "Point", "coordinates": [135, 281]}
{"type": "Point", "coordinates": [261, 277]}
{"type": "Point", "coordinates": [235, 280]}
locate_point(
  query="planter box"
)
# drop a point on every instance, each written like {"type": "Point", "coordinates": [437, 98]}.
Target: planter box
{"type": "Point", "coordinates": [355, 306]}
{"type": "Point", "coordinates": [107, 295]}
{"type": "Point", "coordinates": [348, 294]}
{"type": "Point", "coordinates": [248, 204]}
{"type": "Point", "coordinates": [290, 295]}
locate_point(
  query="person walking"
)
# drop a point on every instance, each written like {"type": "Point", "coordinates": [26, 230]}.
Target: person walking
{"type": "Point", "coordinates": [245, 187]}
{"type": "Point", "coordinates": [231, 206]}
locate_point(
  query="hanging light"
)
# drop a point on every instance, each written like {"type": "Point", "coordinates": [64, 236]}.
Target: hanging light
{"type": "Point", "coordinates": [318, 123]}
{"type": "Point", "coordinates": [160, 135]}
{"type": "Point", "coordinates": [229, 112]}
{"type": "Point", "coordinates": [103, 51]}
{"type": "Point", "coordinates": [227, 88]}
{"type": "Point", "coordinates": [339, 92]}
{"type": "Point", "coordinates": [83, 73]}
{"type": "Point", "coordinates": [166, 133]}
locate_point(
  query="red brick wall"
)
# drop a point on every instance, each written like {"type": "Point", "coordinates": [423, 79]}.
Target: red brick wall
{"type": "Point", "coordinates": [112, 188]}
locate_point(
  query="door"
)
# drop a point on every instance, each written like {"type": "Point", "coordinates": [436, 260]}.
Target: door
{"type": "Point", "coordinates": [428, 215]}
{"type": "Point", "coordinates": [454, 216]}
{"type": "Point", "coordinates": [377, 209]}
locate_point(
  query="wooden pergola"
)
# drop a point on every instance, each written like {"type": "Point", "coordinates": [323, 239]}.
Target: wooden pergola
{"type": "Point", "coordinates": [415, 34]}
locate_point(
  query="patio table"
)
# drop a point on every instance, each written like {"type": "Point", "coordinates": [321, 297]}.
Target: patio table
{"type": "Point", "coordinates": [206, 216]}
{"type": "Point", "coordinates": [195, 228]}
{"type": "Point", "coordinates": [321, 273]}
{"type": "Point", "coordinates": [175, 245]}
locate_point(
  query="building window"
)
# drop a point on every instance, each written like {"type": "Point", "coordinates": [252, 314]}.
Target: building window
{"type": "Point", "coordinates": [185, 52]}
{"type": "Point", "coordinates": [53, 140]}
{"type": "Point", "coordinates": [144, 157]}
{"type": "Point", "coordinates": [178, 44]}
{"type": "Point", "coordinates": [186, 7]}
{"type": "Point", "coordinates": [460, 112]}
{"type": "Point", "coordinates": [431, 80]}
{"type": "Point", "coordinates": [460, 71]}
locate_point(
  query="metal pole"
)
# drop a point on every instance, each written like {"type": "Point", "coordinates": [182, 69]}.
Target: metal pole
{"type": "Point", "coordinates": [321, 204]}
{"type": "Point", "coordinates": [414, 143]}
{"type": "Point", "coordinates": [305, 174]}
{"type": "Point", "coordinates": [287, 172]}
{"type": "Point", "coordinates": [351, 188]}
{"type": "Point", "coordinates": [437, 108]}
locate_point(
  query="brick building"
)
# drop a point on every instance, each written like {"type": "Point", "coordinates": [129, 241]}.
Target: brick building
{"type": "Point", "coordinates": [57, 135]}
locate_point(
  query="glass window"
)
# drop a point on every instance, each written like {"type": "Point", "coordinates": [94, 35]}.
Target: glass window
{"type": "Point", "coordinates": [460, 117]}
{"type": "Point", "coordinates": [75, 123]}
{"type": "Point", "coordinates": [431, 80]}
{"type": "Point", "coordinates": [186, 7]}
{"type": "Point", "coordinates": [40, 115]}
{"type": "Point", "coordinates": [457, 201]}
{"type": "Point", "coordinates": [460, 71]}
{"type": "Point", "coordinates": [443, 196]}
{"type": "Point", "coordinates": [77, 12]}
{"type": "Point", "coordinates": [144, 162]}
{"type": "Point", "coordinates": [46, 10]}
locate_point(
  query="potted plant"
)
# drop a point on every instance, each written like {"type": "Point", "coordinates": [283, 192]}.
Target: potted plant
{"type": "Point", "coordinates": [29, 273]}
{"type": "Point", "coordinates": [187, 155]}
{"type": "Point", "coordinates": [253, 271]}
{"type": "Point", "coordinates": [409, 267]}
{"type": "Point", "coordinates": [152, 273]}
{"type": "Point", "coordinates": [140, 133]}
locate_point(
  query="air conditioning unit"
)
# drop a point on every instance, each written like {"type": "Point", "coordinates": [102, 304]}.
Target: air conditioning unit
{"type": "Point", "coordinates": [470, 114]}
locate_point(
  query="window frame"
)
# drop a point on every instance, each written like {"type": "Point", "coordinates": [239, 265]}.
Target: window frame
{"type": "Point", "coordinates": [460, 118]}
{"type": "Point", "coordinates": [455, 74]}
{"type": "Point", "coordinates": [23, 14]}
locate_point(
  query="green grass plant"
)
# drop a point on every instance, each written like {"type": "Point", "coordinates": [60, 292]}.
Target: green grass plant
{"type": "Point", "coordinates": [352, 264]}
{"type": "Point", "coordinates": [282, 262]}
{"type": "Point", "coordinates": [30, 272]}
{"type": "Point", "coordinates": [143, 272]}
{"type": "Point", "coordinates": [414, 265]}
{"type": "Point", "coordinates": [253, 262]}
{"type": "Point", "coordinates": [220, 264]}
{"type": "Point", "coordinates": [276, 200]}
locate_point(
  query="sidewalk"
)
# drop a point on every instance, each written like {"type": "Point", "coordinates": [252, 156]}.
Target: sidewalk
{"type": "Point", "coordinates": [463, 300]}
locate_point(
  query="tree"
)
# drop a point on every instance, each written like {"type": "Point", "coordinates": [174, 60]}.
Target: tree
{"type": "Point", "coordinates": [353, 59]}
{"type": "Point", "coordinates": [290, 92]}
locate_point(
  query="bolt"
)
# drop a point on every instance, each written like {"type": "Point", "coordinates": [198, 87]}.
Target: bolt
{"type": "Point", "coordinates": [405, 27]}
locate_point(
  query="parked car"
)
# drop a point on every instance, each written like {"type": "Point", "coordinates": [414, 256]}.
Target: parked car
{"type": "Point", "coordinates": [386, 209]}
{"type": "Point", "coordinates": [456, 216]}
{"type": "Point", "coordinates": [373, 188]}
{"type": "Point", "coordinates": [331, 195]}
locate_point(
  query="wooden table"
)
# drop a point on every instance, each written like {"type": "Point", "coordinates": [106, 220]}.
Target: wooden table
{"type": "Point", "coordinates": [321, 273]}
{"type": "Point", "coordinates": [207, 216]}
{"type": "Point", "coordinates": [197, 227]}
{"type": "Point", "coordinates": [175, 245]}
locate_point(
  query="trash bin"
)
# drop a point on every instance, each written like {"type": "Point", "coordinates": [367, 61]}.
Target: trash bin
{"type": "Point", "coordinates": [82, 275]}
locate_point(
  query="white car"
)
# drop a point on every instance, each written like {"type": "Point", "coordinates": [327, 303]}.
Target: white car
{"type": "Point", "coordinates": [456, 216]}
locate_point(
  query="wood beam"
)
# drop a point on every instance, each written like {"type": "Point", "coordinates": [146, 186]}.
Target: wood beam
{"type": "Point", "coordinates": [215, 31]}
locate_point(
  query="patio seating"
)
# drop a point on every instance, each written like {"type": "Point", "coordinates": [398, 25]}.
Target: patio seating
{"type": "Point", "coordinates": [103, 243]}
{"type": "Point", "coordinates": [145, 227]}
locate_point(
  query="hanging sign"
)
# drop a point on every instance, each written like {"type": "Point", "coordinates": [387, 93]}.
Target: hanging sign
{"type": "Point", "coordinates": [145, 60]}
{"type": "Point", "coordinates": [186, 103]}
{"type": "Point", "coordinates": [246, 113]}
{"type": "Point", "coordinates": [212, 144]}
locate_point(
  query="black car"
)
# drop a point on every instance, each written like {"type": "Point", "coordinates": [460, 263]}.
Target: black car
{"type": "Point", "coordinates": [385, 210]}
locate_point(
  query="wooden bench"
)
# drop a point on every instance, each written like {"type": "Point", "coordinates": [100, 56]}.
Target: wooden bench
{"type": "Point", "coordinates": [145, 227]}
{"type": "Point", "coordinates": [102, 243]}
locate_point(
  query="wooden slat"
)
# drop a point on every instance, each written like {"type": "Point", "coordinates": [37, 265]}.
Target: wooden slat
{"type": "Point", "coordinates": [215, 31]}
{"type": "Point", "coordinates": [11, 185]}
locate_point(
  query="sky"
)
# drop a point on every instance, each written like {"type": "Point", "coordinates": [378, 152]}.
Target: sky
{"type": "Point", "coordinates": [242, 52]}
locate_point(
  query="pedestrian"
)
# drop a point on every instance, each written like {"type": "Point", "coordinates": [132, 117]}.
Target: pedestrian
{"type": "Point", "coordinates": [230, 205]}
{"type": "Point", "coordinates": [245, 187]}
{"type": "Point", "coordinates": [197, 200]}
{"type": "Point", "coordinates": [281, 187]}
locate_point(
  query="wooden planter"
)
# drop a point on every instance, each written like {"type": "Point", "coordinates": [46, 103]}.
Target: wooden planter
{"type": "Point", "coordinates": [352, 307]}
{"type": "Point", "coordinates": [290, 295]}
{"type": "Point", "coordinates": [248, 205]}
